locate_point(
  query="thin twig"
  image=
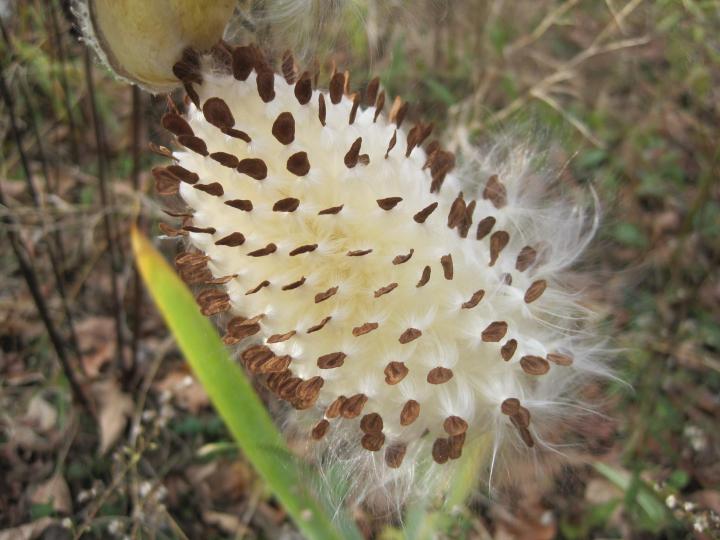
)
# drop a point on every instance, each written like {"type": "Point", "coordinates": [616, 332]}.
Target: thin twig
{"type": "Point", "coordinates": [137, 108]}
{"type": "Point", "coordinates": [62, 76]}
{"type": "Point", "coordinates": [107, 222]}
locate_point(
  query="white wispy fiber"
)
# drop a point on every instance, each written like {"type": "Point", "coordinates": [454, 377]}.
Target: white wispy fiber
{"type": "Point", "coordinates": [403, 307]}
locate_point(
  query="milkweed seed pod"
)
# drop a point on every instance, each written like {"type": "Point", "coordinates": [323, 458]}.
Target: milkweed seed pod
{"type": "Point", "coordinates": [140, 40]}
{"type": "Point", "coordinates": [403, 309]}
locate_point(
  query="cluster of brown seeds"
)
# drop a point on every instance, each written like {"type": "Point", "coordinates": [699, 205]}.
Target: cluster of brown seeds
{"type": "Point", "coordinates": [260, 359]}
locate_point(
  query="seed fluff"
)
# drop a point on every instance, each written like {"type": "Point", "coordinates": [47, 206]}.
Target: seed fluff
{"type": "Point", "coordinates": [404, 309]}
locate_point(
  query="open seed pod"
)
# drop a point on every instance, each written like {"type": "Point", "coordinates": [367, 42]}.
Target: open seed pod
{"type": "Point", "coordinates": [404, 310]}
{"type": "Point", "coordinates": [140, 40]}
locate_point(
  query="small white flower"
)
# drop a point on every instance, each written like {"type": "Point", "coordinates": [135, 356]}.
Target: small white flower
{"type": "Point", "coordinates": [405, 309]}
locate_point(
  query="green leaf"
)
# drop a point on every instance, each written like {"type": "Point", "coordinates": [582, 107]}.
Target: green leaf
{"type": "Point", "coordinates": [234, 398]}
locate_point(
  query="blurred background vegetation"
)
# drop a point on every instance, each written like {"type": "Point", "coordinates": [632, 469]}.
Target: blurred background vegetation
{"type": "Point", "coordinates": [103, 433]}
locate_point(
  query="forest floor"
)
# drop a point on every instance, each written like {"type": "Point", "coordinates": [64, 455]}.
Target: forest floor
{"type": "Point", "coordinates": [629, 93]}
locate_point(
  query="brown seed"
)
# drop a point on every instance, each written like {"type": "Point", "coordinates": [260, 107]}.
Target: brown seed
{"type": "Point", "coordinates": [364, 329]}
{"type": "Point", "coordinates": [192, 94]}
{"type": "Point", "coordinates": [241, 204]}
{"type": "Point", "coordinates": [189, 260]}
{"type": "Point", "coordinates": [298, 164]}
{"type": "Point", "coordinates": [322, 110]}
{"type": "Point", "coordinates": [439, 375]}
{"type": "Point", "coordinates": [534, 365]}
{"type": "Point", "coordinates": [283, 128]}
{"type": "Point", "coordinates": [288, 67]}
{"type": "Point", "coordinates": [379, 104]}
{"type": "Point", "coordinates": [254, 352]}
{"type": "Point", "coordinates": [170, 213]}
{"type": "Point", "coordinates": [196, 144]}
{"type": "Point", "coordinates": [498, 241]}
{"type": "Point", "coordinates": [385, 290]}
{"type": "Point", "coordinates": [395, 372]}
{"type": "Point", "coordinates": [169, 231]}
{"type": "Point", "coordinates": [318, 326]}
{"type": "Point", "coordinates": [527, 437]}
{"type": "Point", "coordinates": [400, 259]}
{"type": "Point", "coordinates": [266, 85]}
{"type": "Point", "coordinates": [455, 445]}
{"type": "Point", "coordinates": [183, 174]}
{"type": "Point", "coordinates": [457, 211]}
{"type": "Point", "coordinates": [354, 109]}
{"type": "Point", "coordinates": [236, 134]}
{"type": "Point", "coordinates": [372, 90]}
{"type": "Point", "coordinates": [371, 423]}
{"type": "Point", "coordinates": [507, 350]}
{"type": "Point", "coordinates": [373, 441]}
{"type": "Point", "coordinates": [394, 455]}
{"type": "Point", "coordinates": [223, 158]}
{"type": "Point", "coordinates": [351, 157]}
{"type": "Point", "coordinates": [286, 390]}
{"type": "Point", "coordinates": [176, 124]}
{"type": "Point", "coordinates": [447, 265]}
{"type": "Point", "coordinates": [398, 111]}
{"type": "Point", "coordinates": [232, 240]}
{"type": "Point", "coordinates": [309, 390]}
{"type": "Point", "coordinates": [525, 258]}
{"type": "Point", "coordinates": [305, 248]}
{"type": "Point", "coordinates": [321, 297]}
{"type": "Point", "coordinates": [267, 250]}
{"type": "Point", "coordinates": [242, 331]}
{"type": "Point", "coordinates": [560, 359]}
{"type": "Point", "coordinates": [303, 88]}
{"type": "Point", "coordinates": [337, 82]}
{"type": "Point", "coordinates": [353, 406]}
{"type": "Point", "coordinates": [199, 230]}
{"type": "Point", "coordinates": [454, 425]}
{"type": "Point", "coordinates": [243, 62]}
{"type": "Point", "coordinates": [442, 163]}
{"type": "Point", "coordinates": [389, 203]}
{"type": "Point", "coordinates": [166, 183]}
{"type": "Point", "coordinates": [286, 205]}
{"type": "Point", "coordinates": [263, 284]}
{"type": "Point", "coordinates": [423, 214]}
{"type": "Point", "coordinates": [187, 69]}
{"type": "Point", "coordinates": [425, 277]}
{"type": "Point", "coordinates": [213, 301]}
{"type": "Point", "coordinates": [521, 418]}
{"type": "Point", "coordinates": [411, 334]}
{"type": "Point", "coordinates": [331, 360]}
{"type": "Point", "coordinates": [495, 331]}
{"type": "Point", "coordinates": [294, 284]}
{"type": "Point", "coordinates": [358, 252]}
{"type": "Point", "coordinates": [253, 167]}
{"type": "Point", "coordinates": [495, 192]}
{"type": "Point", "coordinates": [159, 150]}
{"type": "Point", "coordinates": [333, 410]}
{"type": "Point", "coordinates": [391, 144]}
{"type": "Point", "coordinates": [217, 113]}
{"type": "Point", "coordinates": [215, 189]}
{"type": "Point", "coordinates": [484, 227]}
{"type": "Point", "coordinates": [510, 406]}
{"type": "Point", "coordinates": [277, 364]}
{"type": "Point", "coordinates": [279, 338]}
{"type": "Point", "coordinates": [320, 429]}
{"type": "Point", "coordinates": [441, 451]}
{"type": "Point", "coordinates": [274, 380]}
{"type": "Point", "coordinates": [535, 291]}
{"type": "Point", "coordinates": [474, 299]}
{"type": "Point", "coordinates": [466, 221]}
{"type": "Point", "coordinates": [331, 210]}
{"type": "Point", "coordinates": [410, 412]}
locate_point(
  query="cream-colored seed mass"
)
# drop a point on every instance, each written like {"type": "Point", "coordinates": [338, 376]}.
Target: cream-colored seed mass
{"type": "Point", "coordinates": [413, 321]}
